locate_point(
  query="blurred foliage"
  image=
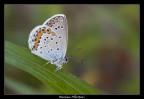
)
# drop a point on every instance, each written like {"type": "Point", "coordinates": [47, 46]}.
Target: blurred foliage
{"type": "Point", "coordinates": [108, 35]}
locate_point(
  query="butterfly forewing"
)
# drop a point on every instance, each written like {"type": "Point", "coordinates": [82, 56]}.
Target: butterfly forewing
{"type": "Point", "coordinates": [58, 24]}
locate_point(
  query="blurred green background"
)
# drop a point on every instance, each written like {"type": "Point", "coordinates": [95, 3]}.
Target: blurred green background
{"type": "Point", "coordinates": [108, 35]}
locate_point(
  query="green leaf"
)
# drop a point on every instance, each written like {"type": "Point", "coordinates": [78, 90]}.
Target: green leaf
{"type": "Point", "coordinates": [61, 82]}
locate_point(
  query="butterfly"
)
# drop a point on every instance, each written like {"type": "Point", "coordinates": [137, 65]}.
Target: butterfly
{"type": "Point", "coordinates": [49, 40]}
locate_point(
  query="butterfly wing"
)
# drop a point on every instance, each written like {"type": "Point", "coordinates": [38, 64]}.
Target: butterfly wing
{"type": "Point", "coordinates": [58, 25]}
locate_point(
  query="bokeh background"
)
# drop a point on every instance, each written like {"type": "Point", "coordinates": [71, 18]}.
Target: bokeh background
{"type": "Point", "coordinates": [108, 35]}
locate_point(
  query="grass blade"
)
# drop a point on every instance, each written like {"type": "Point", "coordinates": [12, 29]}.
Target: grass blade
{"type": "Point", "coordinates": [61, 83]}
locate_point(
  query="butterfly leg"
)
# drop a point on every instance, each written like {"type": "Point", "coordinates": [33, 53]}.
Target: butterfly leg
{"type": "Point", "coordinates": [46, 63]}
{"type": "Point", "coordinates": [58, 68]}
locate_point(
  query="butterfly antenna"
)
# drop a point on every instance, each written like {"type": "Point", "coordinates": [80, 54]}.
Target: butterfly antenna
{"type": "Point", "coordinates": [74, 51]}
{"type": "Point", "coordinates": [82, 62]}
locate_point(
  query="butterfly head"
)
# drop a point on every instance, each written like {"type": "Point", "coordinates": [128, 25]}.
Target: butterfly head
{"type": "Point", "coordinates": [66, 59]}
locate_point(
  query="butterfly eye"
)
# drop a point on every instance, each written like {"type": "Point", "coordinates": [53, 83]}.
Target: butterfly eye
{"type": "Point", "coordinates": [66, 59]}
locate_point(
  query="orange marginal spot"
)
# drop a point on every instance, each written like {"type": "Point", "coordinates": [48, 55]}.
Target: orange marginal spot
{"type": "Point", "coordinates": [36, 45]}
{"type": "Point", "coordinates": [37, 39]}
{"type": "Point", "coordinates": [45, 30]}
{"type": "Point", "coordinates": [52, 33]}
{"type": "Point", "coordinates": [48, 31]}
{"type": "Point", "coordinates": [39, 34]}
